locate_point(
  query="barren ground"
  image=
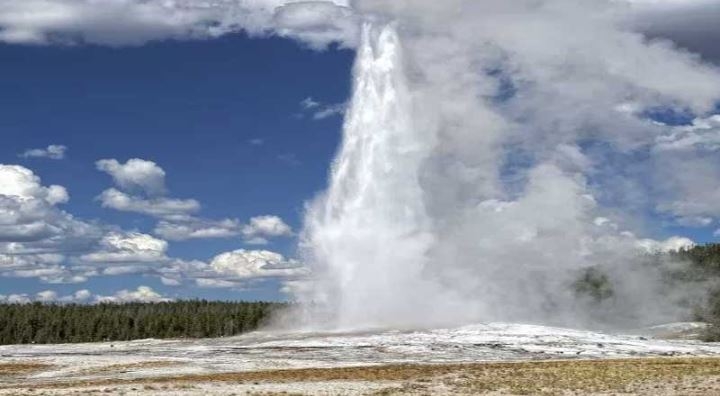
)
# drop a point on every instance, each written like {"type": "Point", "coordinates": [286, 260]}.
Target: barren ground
{"type": "Point", "coordinates": [481, 359]}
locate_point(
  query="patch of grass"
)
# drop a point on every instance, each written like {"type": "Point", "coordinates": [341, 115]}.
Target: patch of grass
{"type": "Point", "coordinates": [11, 369]}
{"type": "Point", "coordinates": [546, 377]}
{"type": "Point", "coordinates": [129, 367]}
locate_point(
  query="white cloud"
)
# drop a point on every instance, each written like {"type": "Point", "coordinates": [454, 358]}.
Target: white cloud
{"type": "Point", "coordinates": [246, 264]}
{"type": "Point", "coordinates": [48, 268]}
{"type": "Point", "coordinates": [157, 207]}
{"type": "Point", "coordinates": [329, 111]}
{"type": "Point", "coordinates": [15, 298]}
{"type": "Point", "coordinates": [177, 222]}
{"type": "Point", "coordinates": [142, 294]}
{"type": "Point", "coordinates": [257, 231]}
{"type": "Point", "coordinates": [321, 111]}
{"type": "Point", "coordinates": [37, 240]}
{"type": "Point", "coordinates": [214, 283]}
{"type": "Point", "coordinates": [703, 134]}
{"type": "Point", "coordinates": [309, 103]}
{"type": "Point", "coordinates": [131, 247]}
{"type": "Point", "coordinates": [671, 244]}
{"type": "Point", "coordinates": [53, 151]}
{"type": "Point", "coordinates": [46, 296]}
{"type": "Point", "coordinates": [126, 269]}
{"type": "Point", "coordinates": [147, 179]}
{"type": "Point", "coordinates": [135, 175]}
{"type": "Point", "coordinates": [132, 22]}
{"type": "Point", "coordinates": [195, 228]}
{"type": "Point", "coordinates": [176, 271]}
{"type": "Point", "coordinates": [80, 296]}
{"type": "Point", "coordinates": [31, 225]}
{"type": "Point", "coordinates": [317, 23]}
{"type": "Point", "coordinates": [22, 184]}
{"type": "Point", "coordinates": [262, 227]}
{"type": "Point", "coordinates": [170, 281]}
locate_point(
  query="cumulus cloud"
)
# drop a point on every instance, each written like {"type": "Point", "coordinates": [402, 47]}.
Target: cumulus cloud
{"type": "Point", "coordinates": [672, 244]}
{"type": "Point", "coordinates": [235, 269]}
{"type": "Point", "coordinates": [158, 207]}
{"type": "Point", "coordinates": [175, 272]}
{"type": "Point", "coordinates": [196, 228]}
{"type": "Point", "coordinates": [38, 240]}
{"type": "Point", "coordinates": [257, 231]}
{"type": "Point", "coordinates": [215, 283]}
{"type": "Point", "coordinates": [22, 298]}
{"type": "Point", "coordinates": [317, 23]}
{"type": "Point", "coordinates": [177, 220]}
{"type": "Point", "coordinates": [141, 294]}
{"type": "Point", "coordinates": [262, 227]}
{"type": "Point", "coordinates": [130, 247]}
{"type": "Point", "coordinates": [135, 175]}
{"type": "Point", "coordinates": [53, 151]}
{"type": "Point", "coordinates": [246, 264]}
{"type": "Point", "coordinates": [20, 183]}
{"type": "Point", "coordinates": [80, 296]}
{"type": "Point", "coordinates": [133, 22]}
{"type": "Point", "coordinates": [143, 188]}
{"type": "Point", "coordinates": [34, 232]}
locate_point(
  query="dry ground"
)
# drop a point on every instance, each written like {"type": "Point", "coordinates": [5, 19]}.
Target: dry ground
{"type": "Point", "coordinates": [652, 376]}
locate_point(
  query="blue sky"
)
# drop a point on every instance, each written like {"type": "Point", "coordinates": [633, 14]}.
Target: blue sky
{"type": "Point", "coordinates": [224, 118]}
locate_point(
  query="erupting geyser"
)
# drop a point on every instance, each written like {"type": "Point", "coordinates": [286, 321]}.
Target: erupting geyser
{"type": "Point", "coordinates": [369, 234]}
{"type": "Point", "coordinates": [483, 170]}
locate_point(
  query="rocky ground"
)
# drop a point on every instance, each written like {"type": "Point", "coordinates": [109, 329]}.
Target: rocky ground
{"type": "Point", "coordinates": [480, 359]}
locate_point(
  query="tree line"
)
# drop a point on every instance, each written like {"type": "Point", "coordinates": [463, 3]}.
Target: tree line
{"type": "Point", "coordinates": [695, 269]}
{"type": "Point", "coordinates": [67, 323]}
{"type": "Point", "coordinates": [704, 264]}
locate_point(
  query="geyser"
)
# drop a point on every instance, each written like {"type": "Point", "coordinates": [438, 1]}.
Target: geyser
{"type": "Point", "coordinates": [483, 169]}
{"type": "Point", "coordinates": [369, 234]}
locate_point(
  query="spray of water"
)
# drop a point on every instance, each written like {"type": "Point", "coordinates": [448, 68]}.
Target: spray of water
{"type": "Point", "coordinates": [370, 233]}
{"type": "Point", "coordinates": [461, 192]}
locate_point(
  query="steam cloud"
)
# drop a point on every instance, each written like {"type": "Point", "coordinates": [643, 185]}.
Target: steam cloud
{"type": "Point", "coordinates": [494, 149]}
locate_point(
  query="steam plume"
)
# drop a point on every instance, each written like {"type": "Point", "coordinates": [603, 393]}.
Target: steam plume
{"type": "Point", "coordinates": [489, 155]}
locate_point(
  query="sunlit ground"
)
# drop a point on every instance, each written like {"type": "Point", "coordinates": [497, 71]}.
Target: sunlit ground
{"type": "Point", "coordinates": [650, 376]}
